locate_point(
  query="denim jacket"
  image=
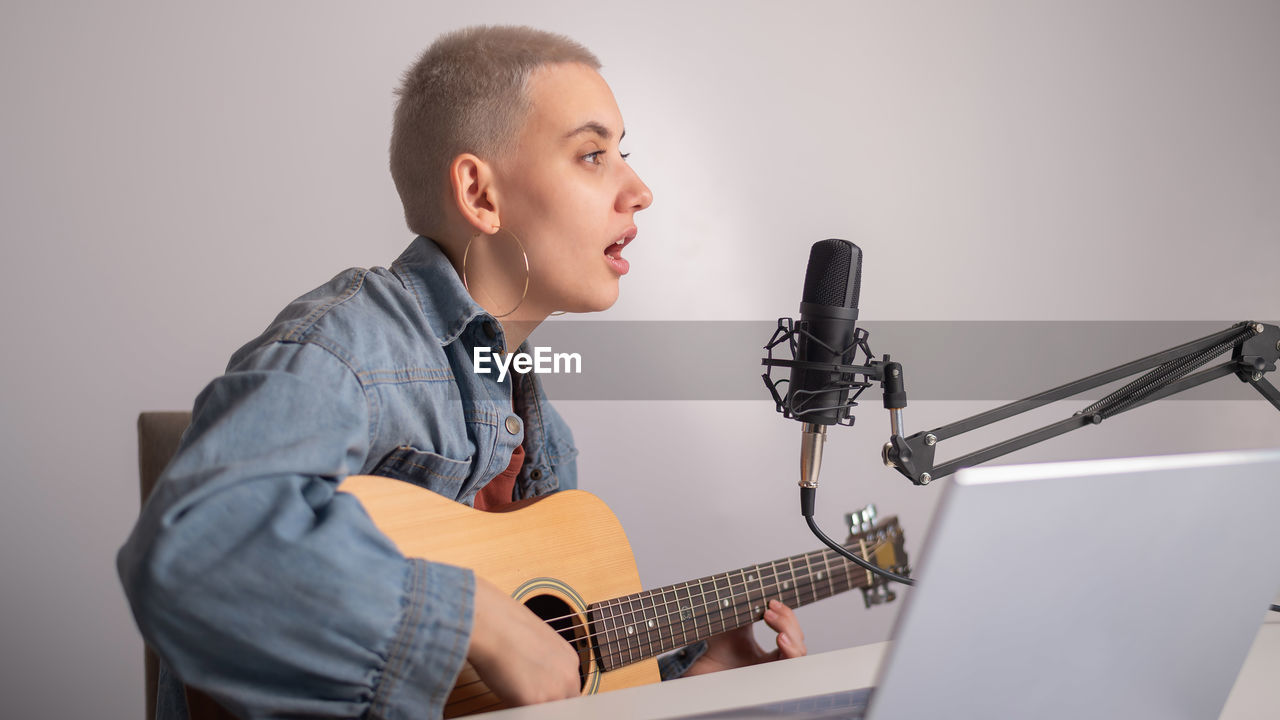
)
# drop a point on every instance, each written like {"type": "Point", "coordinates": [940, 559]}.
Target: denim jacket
{"type": "Point", "coordinates": [254, 580]}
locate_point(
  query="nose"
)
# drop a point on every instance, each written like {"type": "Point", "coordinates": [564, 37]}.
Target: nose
{"type": "Point", "coordinates": [634, 195]}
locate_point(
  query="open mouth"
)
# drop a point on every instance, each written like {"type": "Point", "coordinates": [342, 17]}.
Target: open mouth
{"type": "Point", "coordinates": [613, 253]}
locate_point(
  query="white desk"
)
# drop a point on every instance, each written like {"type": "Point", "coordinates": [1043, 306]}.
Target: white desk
{"type": "Point", "coordinates": [1256, 695]}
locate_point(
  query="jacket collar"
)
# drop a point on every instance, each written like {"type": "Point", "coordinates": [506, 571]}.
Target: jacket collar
{"type": "Point", "coordinates": [447, 305]}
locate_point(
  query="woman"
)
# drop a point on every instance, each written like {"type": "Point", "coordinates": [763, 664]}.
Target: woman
{"type": "Point", "coordinates": [252, 578]}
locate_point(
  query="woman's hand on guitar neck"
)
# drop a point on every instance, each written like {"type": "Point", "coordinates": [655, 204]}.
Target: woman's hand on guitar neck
{"type": "Point", "coordinates": [738, 648]}
{"type": "Point", "coordinates": [519, 657]}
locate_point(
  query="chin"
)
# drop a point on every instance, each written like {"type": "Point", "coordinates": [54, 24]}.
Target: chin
{"type": "Point", "coordinates": [604, 303]}
{"type": "Point", "coordinates": [600, 300]}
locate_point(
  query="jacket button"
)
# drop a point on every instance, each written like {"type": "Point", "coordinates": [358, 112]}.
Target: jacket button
{"type": "Point", "coordinates": [513, 424]}
{"type": "Point", "coordinates": [535, 474]}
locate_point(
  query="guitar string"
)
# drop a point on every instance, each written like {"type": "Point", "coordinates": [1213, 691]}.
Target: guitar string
{"type": "Point", "coordinates": [821, 585]}
{"type": "Point", "coordinates": [800, 580]}
{"type": "Point", "coordinates": [822, 556]}
{"type": "Point", "coordinates": [631, 645]}
{"type": "Point", "coordinates": [712, 620]}
{"type": "Point", "coordinates": [824, 585]}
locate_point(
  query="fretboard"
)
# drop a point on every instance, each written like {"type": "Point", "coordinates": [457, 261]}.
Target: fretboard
{"type": "Point", "coordinates": [632, 628]}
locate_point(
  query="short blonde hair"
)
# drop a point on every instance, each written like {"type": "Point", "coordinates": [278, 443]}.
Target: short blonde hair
{"type": "Point", "coordinates": [467, 93]}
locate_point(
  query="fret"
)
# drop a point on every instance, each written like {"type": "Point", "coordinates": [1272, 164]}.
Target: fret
{"type": "Point", "coordinates": [652, 631]}
{"type": "Point", "coordinates": [794, 588]}
{"type": "Point", "coordinates": [744, 602]}
{"type": "Point", "coordinates": [633, 629]}
{"type": "Point", "coordinates": [604, 644]}
{"type": "Point", "coordinates": [615, 634]}
{"type": "Point", "coordinates": [799, 579]}
{"type": "Point", "coordinates": [708, 605]}
{"type": "Point", "coordinates": [688, 614]}
{"type": "Point", "coordinates": [764, 590]}
{"type": "Point", "coordinates": [835, 576]}
{"type": "Point", "coordinates": [671, 615]}
{"type": "Point", "coordinates": [756, 610]}
{"type": "Point", "coordinates": [822, 586]}
{"type": "Point", "coordinates": [682, 602]}
{"type": "Point", "coordinates": [724, 600]}
{"type": "Point", "coordinates": [782, 579]}
{"type": "Point", "coordinates": [601, 634]}
{"type": "Point", "coordinates": [782, 570]}
{"type": "Point", "coordinates": [640, 620]}
{"type": "Point", "coordinates": [808, 565]}
{"type": "Point", "coordinates": [595, 628]}
{"type": "Point", "coordinates": [684, 613]}
{"type": "Point", "coordinates": [695, 625]}
{"type": "Point", "coordinates": [826, 574]}
{"type": "Point", "coordinates": [628, 626]}
{"type": "Point", "coordinates": [813, 561]}
{"type": "Point", "coordinates": [695, 601]}
{"type": "Point", "coordinates": [773, 588]}
{"type": "Point", "coordinates": [819, 577]}
{"type": "Point", "coordinates": [848, 574]}
{"type": "Point", "coordinates": [846, 579]}
{"type": "Point", "coordinates": [750, 588]}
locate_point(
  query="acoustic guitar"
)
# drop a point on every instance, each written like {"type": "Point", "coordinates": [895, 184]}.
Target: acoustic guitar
{"type": "Point", "coordinates": [566, 557]}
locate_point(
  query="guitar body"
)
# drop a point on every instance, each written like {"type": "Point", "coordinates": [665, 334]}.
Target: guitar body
{"type": "Point", "coordinates": [556, 554]}
{"type": "Point", "coordinates": [566, 558]}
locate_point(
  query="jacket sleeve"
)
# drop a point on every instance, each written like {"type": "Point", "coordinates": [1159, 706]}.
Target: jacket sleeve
{"type": "Point", "coordinates": [260, 584]}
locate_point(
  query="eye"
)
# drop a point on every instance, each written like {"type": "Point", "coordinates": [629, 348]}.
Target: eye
{"type": "Point", "coordinates": [594, 157]}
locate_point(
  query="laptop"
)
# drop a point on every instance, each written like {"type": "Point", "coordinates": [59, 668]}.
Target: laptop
{"type": "Point", "coordinates": [1128, 588]}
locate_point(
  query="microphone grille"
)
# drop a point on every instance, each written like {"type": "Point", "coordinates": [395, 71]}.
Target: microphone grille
{"type": "Point", "coordinates": [834, 275]}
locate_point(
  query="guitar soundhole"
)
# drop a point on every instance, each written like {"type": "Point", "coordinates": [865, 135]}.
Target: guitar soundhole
{"type": "Point", "coordinates": [571, 626]}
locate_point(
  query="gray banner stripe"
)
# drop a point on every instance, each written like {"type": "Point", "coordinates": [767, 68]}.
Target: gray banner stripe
{"type": "Point", "coordinates": [977, 360]}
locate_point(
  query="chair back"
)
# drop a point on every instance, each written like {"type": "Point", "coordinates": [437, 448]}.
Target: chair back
{"type": "Point", "coordinates": [158, 436]}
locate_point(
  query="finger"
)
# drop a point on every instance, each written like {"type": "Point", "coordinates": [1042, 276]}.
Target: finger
{"type": "Point", "coordinates": [789, 648]}
{"type": "Point", "coordinates": [783, 619]}
{"type": "Point", "coordinates": [790, 636]}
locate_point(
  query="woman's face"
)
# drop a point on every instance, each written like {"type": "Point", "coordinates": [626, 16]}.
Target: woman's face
{"type": "Point", "coordinates": [568, 193]}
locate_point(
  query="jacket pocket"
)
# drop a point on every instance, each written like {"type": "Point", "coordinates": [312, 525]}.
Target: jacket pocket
{"type": "Point", "coordinates": [432, 471]}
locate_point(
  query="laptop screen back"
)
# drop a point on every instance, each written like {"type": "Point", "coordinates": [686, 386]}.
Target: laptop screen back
{"type": "Point", "coordinates": [1118, 588]}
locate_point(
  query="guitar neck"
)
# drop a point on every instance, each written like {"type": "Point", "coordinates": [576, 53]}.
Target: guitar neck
{"type": "Point", "coordinates": [631, 628]}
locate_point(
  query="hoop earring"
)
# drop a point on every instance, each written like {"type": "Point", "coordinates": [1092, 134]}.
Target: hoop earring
{"type": "Point", "coordinates": [524, 294]}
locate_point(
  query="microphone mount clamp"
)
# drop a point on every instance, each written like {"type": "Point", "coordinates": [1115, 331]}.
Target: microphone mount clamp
{"type": "Point", "coordinates": [854, 378]}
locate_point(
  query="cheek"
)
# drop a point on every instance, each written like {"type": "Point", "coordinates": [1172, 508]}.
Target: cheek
{"type": "Point", "coordinates": [570, 223]}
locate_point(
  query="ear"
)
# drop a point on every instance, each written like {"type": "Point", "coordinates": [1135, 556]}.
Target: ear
{"type": "Point", "coordinates": [473, 192]}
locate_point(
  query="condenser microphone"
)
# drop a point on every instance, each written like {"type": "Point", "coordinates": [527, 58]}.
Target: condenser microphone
{"type": "Point", "coordinates": [828, 327]}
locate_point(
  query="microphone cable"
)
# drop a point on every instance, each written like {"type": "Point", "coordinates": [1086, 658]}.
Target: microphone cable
{"type": "Point", "coordinates": [807, 495]}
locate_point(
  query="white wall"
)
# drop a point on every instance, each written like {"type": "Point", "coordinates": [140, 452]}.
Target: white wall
{"type": "Point", "coordinates": [174, 173]}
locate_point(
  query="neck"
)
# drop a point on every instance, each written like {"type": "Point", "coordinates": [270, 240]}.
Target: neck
{"type": "Point", "coordinates": [517, 331]}
{"type": "Point", "coordinates": [639, 626]}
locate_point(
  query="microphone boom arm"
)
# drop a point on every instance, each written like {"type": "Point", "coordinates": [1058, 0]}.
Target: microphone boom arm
{"type": "Point", "coordinates": [1255, 349]}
